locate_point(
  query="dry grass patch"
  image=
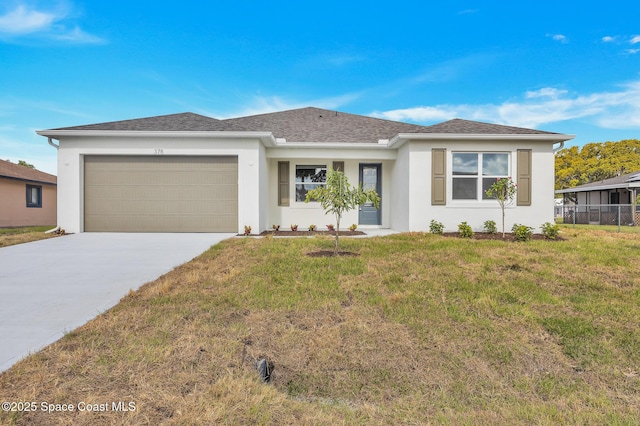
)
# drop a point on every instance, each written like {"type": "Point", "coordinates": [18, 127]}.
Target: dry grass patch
{"type": "Point", "coordinates": [416, 329]}
{"type": "Point", "coordinates": [13, 236]}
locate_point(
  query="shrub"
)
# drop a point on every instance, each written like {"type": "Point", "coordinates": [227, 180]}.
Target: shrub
{"type": "Point", "coordinates": [312, 227]}
{"type": "Point", "coordinates": [436, 227]}
{"type": "Point", "coordinates": [330, 227]}
{"type": "Point", "coordinates": [353, 227]}
{"type": "Point", "coordinates": [490, 227]}
{"type": "Point", "coordinates": [247, 230]}
{"type": "Point", "coordinates": [550, 231]}
{"type": "Point", "coordinates": [294, 227]}
{"type": "Point", "coordinates": [465, 230]}
{"type": "Point", "coordinates": [522, 232]}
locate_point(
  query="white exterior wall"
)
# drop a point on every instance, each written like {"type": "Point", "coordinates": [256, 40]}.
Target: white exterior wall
{"type": "Point", "coordinates": [400, 190]}
{"type": "Point", "coordinates": [475, 213]}
{"type": "Point", "coordinates": [305, 214]}
{"type": "Point", "coordinates": [406, 180]}
{"type": "Point", "coordinates": [72, 150]}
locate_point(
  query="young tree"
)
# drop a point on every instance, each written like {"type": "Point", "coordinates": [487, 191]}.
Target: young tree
{"type": "Point", "coordinates": [337, 197]}
{"type": "Point", "coordinates": [503, 190]}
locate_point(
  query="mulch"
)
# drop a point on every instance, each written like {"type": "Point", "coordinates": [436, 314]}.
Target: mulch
{"type": "Point", "coordinates": [498, 236]}
{"type": "Point", "coordinates": [289, 233]}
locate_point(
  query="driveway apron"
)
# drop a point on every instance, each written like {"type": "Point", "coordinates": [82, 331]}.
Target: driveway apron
{"type": "Point", "coordinates": [51, 287]}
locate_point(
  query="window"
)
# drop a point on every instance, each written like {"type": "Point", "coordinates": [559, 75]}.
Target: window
{"type": "Point", "coordinates": [34, 196]}
{"type": "Point", "coordinates": [474, 173]}
{"type": "Point", "coordinates": [308, 178]}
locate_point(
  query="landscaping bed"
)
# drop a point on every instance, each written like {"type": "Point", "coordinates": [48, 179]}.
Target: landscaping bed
{"type": "Point", "coordinates": [498, 236]}
{"type": "Point", "coordinates": [287, 233]}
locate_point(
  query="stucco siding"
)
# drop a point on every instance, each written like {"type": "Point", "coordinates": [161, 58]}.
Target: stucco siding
{"type": "Point", "coordinates": [475, 213]}
{"type": "Point", "coordinates": [71, 165]}
{"type": "Point", "coordinates": [13, 205]}
{"type": "Point", "coordinates": [305, 214]}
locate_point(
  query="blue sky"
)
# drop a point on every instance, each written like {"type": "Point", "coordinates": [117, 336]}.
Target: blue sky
{"type": "Point", "coordinates": [570, 67]}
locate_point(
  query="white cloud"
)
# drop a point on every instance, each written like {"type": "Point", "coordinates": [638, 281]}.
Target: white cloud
{"type": "Point", "coordinates": [608, 39]}
{"type": "Point", "coordinates": [78, 36]}
{"type": "Point", "coordinates": [24, 20]}
{"type": "Point", "coordinates": [631, 51]}
{"type": "Point", "coordinates": [635, 39]}
{"type": "Point", "coordinates": [558, 37]}
{"type": "Point", "coordinates": [420, 114]}
{"type": "Point", "coordinates": [545, 92]}
{"type": "Point", "coordinates": [614, 110]}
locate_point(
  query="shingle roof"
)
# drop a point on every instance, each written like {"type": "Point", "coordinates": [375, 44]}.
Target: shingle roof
{"type": "Point", "coordinates": [187, 121]}
{"type": "Point", "coordinates": [16, 171]}
{"type": "Point", "coordinates": [614, 182]}
{"type": "Point", "coordinates": [306, 125]}
{"type": "Point", "coordinates": [460, 126]}
{"type": "Point", "coordinates": [321, 125]}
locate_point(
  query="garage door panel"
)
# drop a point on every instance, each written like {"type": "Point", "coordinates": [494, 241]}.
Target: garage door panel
{"type": "Point", "coordinates": [161, 194]}
{"type": "Point", "coordinates": [173, 192]}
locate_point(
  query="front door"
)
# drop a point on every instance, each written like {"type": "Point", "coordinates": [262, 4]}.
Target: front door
{"type": "Point", "coordinates": [371, 178]}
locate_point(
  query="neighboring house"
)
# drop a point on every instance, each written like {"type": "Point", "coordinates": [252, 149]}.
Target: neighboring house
{"type": "Point", "coordinates": [27, 196]}
{"type": "Point", "coordinates": [606, 202]}
{"type": "Point", "coordinates": [190, 173]}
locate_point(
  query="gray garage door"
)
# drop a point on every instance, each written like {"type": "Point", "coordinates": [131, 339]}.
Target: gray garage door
{"type": "Point", "coordinates": [160, 194]}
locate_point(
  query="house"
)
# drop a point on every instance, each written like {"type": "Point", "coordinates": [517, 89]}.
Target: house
{"type": "Point", "coordinates": [27, 196]}
{"type": "Point", "coordinates": [191, 173]}
{"type": "Point", "coordinates": [605, 202]}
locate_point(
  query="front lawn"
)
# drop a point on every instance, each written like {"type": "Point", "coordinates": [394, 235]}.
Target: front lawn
{"type": "Point", "coordinates": [12, 236]}
{"type": "Point", "coordinates": [417, 329]}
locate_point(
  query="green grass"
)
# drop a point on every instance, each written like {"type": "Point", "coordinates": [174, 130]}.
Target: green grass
{"type": "Point", "coordinates": [24, 230]}
{"type": "Point", "coordinates": [605, 228]}
{"type": "Point", "coordinates": [416, 329]}
{"type": "Point", "coordinates": [13, 236]}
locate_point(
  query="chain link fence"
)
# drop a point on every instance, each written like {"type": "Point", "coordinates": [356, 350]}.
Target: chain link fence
{"type": "Point", "coordinates": [601, 214]}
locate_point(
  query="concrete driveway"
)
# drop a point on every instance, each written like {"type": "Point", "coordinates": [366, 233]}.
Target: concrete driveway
{"type": "Point", "coordinates": [50, 287]}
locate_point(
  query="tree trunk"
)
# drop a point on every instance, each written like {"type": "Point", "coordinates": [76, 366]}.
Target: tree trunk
{"type": "Point", "coordinates": [335, 250]}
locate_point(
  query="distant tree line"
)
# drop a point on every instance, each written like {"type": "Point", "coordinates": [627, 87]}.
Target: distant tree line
{"type": "Point", "coordinates": [596, 161]}
{"type": "Point", "coordinates": [24, 163]}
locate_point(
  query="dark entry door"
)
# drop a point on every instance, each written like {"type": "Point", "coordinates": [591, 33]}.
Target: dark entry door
{"type": "Point", "coordinates": [371, 178]}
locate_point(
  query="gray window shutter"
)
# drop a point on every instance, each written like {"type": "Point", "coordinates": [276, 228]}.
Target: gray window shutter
{"type": "Point", "coordinates": [283, 183]}
{"type": "Point", "coordinates": [438, 177]}
{"type": "Point", "coordinates": [523, 195]}
{"type": "Point", "coordinates": [338, 166]}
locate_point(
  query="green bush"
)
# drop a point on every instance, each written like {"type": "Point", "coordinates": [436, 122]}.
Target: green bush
{"type": "Point", "coordinates": [436, 227]}
{"type": "Point", "coordinates": [490, 227]}
{"type": "Point", "coordinates": [550, 231]}
{"type": "Point", "coordinates": [522, 232]}
{"type": "Point", "coordinates": [465, 230]}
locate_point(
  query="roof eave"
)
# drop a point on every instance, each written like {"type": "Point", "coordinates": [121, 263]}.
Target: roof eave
{"type": "Point", "coordinates": [398, 140]}
{"type": "Point", "coordinates": [339, 145]}
{"type": "Point", "coordinates": [624, 185]}
{"type": "Point", "coordinates": [266, 138]}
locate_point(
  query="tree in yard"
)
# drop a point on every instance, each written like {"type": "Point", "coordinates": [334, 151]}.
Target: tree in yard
{"type": "Point", "coordinates": [24, 163]}
{"type": "Point", "coordinates": [503, 190]}
{"type": "Point", "coordinates": [337, 197]}
{"type": "Point", "coordinates": [596, 161]}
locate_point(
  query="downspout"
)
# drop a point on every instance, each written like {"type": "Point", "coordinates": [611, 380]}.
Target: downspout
{"type": "Point", "coordinates": [49, 139]}
{"type": "Point", "coordinates": [554, 149]}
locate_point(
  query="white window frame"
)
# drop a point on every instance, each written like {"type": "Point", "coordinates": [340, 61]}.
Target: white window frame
{"type": "Point", "coordinates": [296, 183]}
{"type": "Point", "coordinates": [480, 195]}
